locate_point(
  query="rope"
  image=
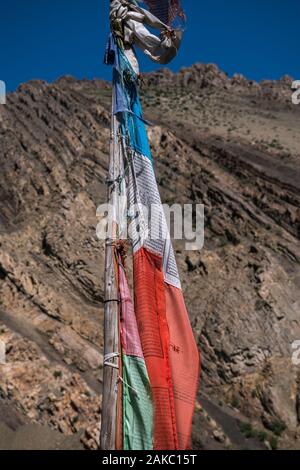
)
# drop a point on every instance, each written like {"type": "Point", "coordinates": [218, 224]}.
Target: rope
{"type": "Point", "coordinates": [108, 358]}
{"type": "Point", "coordinates": [120, 379]}
{"type": "Point", "coordinates": [110, 242]}
{"type": "Point", "coordinates": [118, 180]}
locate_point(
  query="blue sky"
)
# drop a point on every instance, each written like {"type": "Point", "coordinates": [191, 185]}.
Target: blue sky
{"type": "Point", "coordinates": [46, 39]}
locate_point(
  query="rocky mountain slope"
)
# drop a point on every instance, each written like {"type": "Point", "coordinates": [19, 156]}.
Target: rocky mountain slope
{"type": "Point", "coordinates": [231, 144]}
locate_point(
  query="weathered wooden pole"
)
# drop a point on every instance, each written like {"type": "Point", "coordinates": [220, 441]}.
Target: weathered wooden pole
{"type": "Point", "coordinates": [111, 312]}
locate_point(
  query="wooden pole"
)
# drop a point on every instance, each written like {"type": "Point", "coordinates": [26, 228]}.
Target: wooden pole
{"type": "Point", "coordinates": [111, 313]}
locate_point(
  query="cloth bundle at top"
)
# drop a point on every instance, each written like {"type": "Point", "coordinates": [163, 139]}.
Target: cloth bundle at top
{"type": "Point", "coordinates": [130, 23]}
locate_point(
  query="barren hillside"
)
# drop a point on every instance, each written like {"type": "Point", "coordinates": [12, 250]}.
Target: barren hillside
{"type": "Point", "coordinates": [231, 144]}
